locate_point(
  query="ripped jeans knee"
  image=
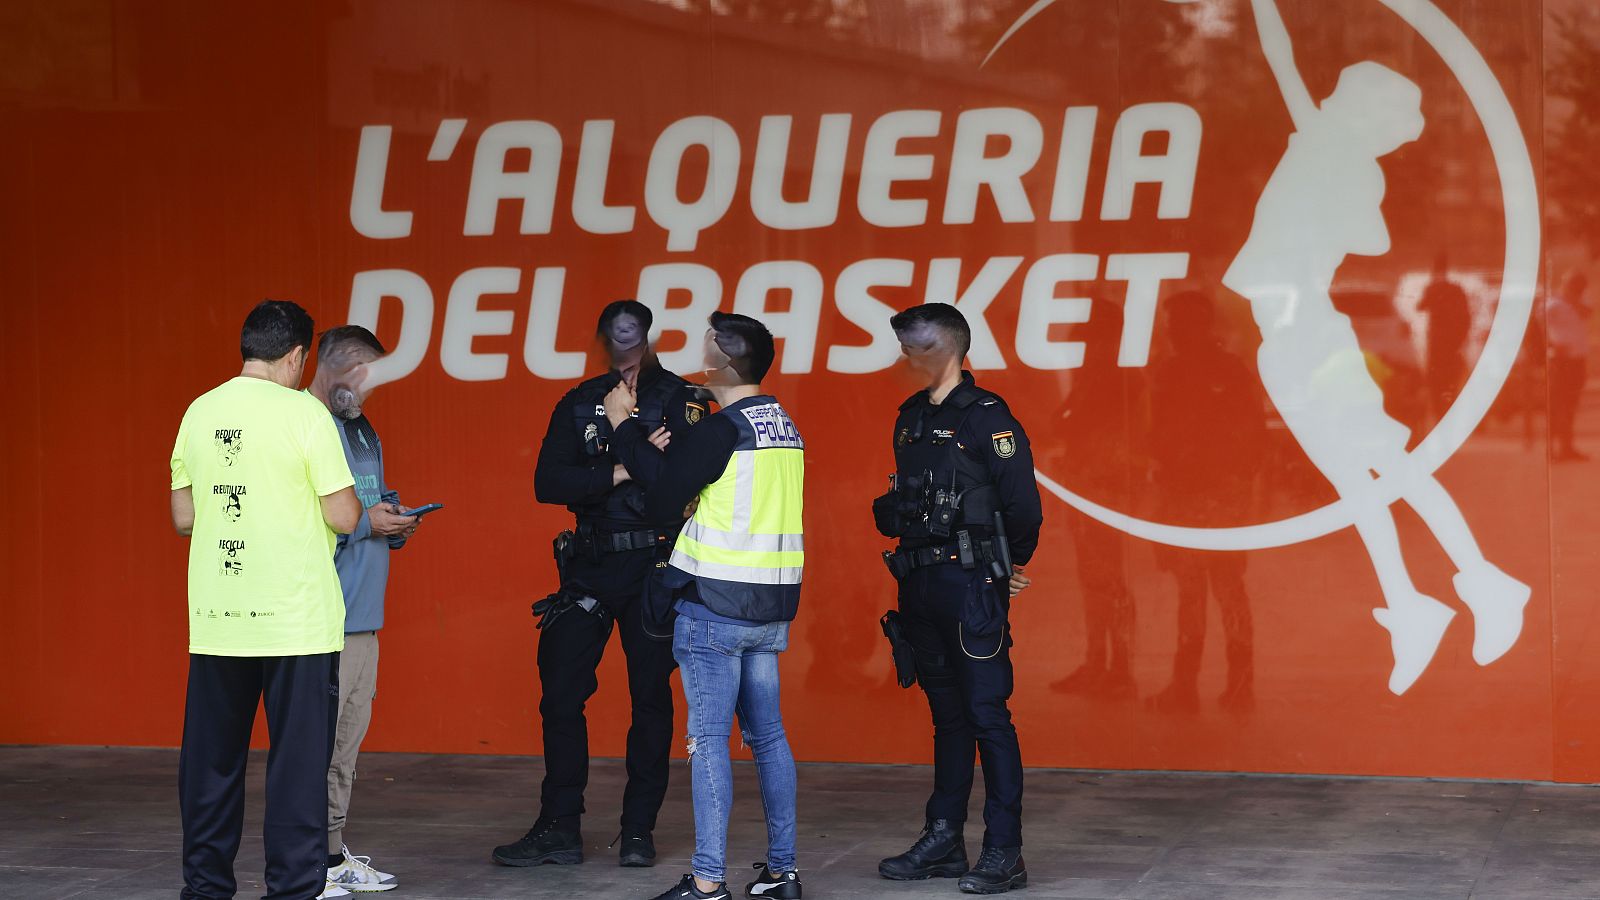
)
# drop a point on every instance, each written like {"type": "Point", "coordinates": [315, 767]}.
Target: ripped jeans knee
{"type": "Point", "coordinates": [711, 773]}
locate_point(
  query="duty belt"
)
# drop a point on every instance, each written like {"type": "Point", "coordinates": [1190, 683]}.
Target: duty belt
{"type": "Point", "coordinates": [623, 541]}
{"type": "Point", "coordinates": [966, 551]}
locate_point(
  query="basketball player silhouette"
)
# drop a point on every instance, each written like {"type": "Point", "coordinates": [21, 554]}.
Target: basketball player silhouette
{"type": "Point", "coordinates": [1322, 203]}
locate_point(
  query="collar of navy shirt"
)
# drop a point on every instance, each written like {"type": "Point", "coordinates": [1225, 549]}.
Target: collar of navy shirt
{"type": "Point", "coordinates": [960, 397]}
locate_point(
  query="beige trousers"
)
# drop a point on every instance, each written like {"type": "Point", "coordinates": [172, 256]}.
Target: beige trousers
{"type": "Point", "coordinates": [358, 684]}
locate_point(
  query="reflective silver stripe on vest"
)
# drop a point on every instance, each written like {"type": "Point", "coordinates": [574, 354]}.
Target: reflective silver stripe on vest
{"type": "Point", "coordinates": [732, 540]}
{"type": "Point", "coordinates": [744, 487]}
{"type": "Point", "coordinates": [742, 574]}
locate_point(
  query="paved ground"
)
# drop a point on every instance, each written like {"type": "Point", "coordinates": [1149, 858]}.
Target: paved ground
{"type": "Point", "coordinates": [95, 824]}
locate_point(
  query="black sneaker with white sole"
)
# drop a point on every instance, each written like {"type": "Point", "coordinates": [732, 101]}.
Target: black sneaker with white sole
{"type": "Point", "coordinates": [782, 885]}
{"type": "Point", "coordinates": [685, 890]}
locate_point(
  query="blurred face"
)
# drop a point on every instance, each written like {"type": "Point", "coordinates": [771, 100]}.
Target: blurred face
{"type": "Point", "coordinates": [716, 364]}
{"type": "Point", "coordinates": [346, 376]}
{"type": "Point", "coordinates": [928, 351]}
{"type": "Point", "coordinates": [626, 341]}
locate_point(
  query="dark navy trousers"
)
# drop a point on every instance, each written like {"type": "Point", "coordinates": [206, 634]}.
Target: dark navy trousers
{"type": "Point", "coordinates": [967, 679]}
{"type": "Point", "coordinates": [569, 653]}
{"type": "Point", "coordinates": [301, 695]}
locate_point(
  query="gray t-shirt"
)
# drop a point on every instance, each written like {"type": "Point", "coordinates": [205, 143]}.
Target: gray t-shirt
{"type": "Point", "coordinates": [362, 558]}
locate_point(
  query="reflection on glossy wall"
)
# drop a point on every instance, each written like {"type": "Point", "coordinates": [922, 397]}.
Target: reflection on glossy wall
{"type": "Point", "coordinates": [1292, 297]}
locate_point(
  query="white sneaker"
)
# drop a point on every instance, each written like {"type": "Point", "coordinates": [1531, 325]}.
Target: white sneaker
{"type": "Point", "coordinates": [356, 875]}
{"type": "Point", "coordinates": [330, 890]}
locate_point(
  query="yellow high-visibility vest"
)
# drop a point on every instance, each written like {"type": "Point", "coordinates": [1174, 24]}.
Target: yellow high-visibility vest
{"type": "Point", "coordinates": [744, 546]}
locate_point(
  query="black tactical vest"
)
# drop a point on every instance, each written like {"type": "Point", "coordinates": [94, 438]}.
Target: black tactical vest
{"type": "Point", "coordinates": [624, 504]}
{"type": "Point", "coordinates": [940, 487]}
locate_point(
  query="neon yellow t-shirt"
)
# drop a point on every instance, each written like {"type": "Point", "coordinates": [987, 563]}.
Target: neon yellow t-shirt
{"type": "Point", "coordinates": [258, 456]}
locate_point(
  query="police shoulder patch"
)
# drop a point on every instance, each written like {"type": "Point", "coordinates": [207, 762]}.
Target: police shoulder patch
{"type": "Point", "coordinates": [693, 412]}
{"type": "Point", "coordinates": [1005, 444]}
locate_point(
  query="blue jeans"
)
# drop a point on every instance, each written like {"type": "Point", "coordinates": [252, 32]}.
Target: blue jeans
{"type": "Point", "coordinates": [727, 669]}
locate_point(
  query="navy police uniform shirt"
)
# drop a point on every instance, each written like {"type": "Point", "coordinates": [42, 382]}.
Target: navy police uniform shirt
{"type": "Point", "coordinates": [576, 459]}
{"type": "Point", "coordinates": [985, 430]}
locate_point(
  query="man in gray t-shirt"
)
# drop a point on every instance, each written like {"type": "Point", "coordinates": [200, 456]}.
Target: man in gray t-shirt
{"type": "Point", "coordinates": [362, 561]}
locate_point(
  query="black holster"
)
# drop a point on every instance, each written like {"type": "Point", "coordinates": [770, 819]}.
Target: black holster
{"type": "Point", "coordinates": [905, 657]}
{"type": "Point", "coordinates": [565, 548]}
{"type": "Point", "coordinates": [553, 607]}
{"type": "Point", "coordinates": [899, 567]}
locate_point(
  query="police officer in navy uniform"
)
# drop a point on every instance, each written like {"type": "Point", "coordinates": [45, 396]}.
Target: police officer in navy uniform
{"type": "Point", "coordinates": [965, 507]}
{"type": "Point", "coordinates": [605, 564]}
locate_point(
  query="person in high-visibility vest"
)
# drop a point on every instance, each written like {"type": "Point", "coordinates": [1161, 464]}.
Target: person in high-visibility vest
{"type": "Point", "coordinates": [734, 575]}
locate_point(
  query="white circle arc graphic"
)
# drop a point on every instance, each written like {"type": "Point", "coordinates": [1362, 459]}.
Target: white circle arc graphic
{"type": "Point", "coordinates": [1520, 276]}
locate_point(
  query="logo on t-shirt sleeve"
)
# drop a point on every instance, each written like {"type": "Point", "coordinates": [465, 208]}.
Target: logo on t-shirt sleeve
{"type": "Point", "coordinates": [231, 561]}
{"type": "Point", "coordinates": [229, 442]}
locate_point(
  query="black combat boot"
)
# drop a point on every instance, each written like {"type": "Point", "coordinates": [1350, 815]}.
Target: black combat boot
{"type": "Point", "coordinates": [998, 870]}
{"type": "Point", "coordinates": [638, 850]}
{"type": "Point", "coordinates": [939, 853]}
{"type": "Point", "coordinates": [544, 843]}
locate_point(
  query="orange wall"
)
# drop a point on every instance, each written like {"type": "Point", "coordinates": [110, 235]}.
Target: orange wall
{"type": "Point", "coordinates": [166, 165]}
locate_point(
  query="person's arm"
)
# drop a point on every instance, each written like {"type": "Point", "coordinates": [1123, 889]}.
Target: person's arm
{"type": "Point", "coordinates": [1016, 489]}
{"type": "Point", "coordinates": [391, 500]}
{"type": "Point", "coordinates": [1279, 48]}
{"type": "Point", "coordinates": [329, 472]}
{"type": "Point", "coordinates": [696, 460]}
{"type": "Point", "coordinates": [341, 510]}
{"type": "Point", "coordinates": [181, 507]}
{"type": "Point", "coordinates": [645, 459]}
{"type": "Point", "coordinates": [183, 511]}
{"type": "Point", "coordinates": [561, 476]}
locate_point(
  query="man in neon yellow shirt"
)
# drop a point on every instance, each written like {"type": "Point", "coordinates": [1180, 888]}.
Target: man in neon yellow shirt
{"type": "Point", "coordinates": [260, 485]}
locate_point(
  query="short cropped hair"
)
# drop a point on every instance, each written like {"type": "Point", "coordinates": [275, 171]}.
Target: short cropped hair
{"type": "Point", "coordinates": [336, 338]}
{"type": "Point", "coordinates": [273, 329]}
{"type": "Point", "coordinates": [617, 308]}
{"type": "Point", "coordinates": [747, 342]}
{"type": "Point", "coordinates": [943, 316]}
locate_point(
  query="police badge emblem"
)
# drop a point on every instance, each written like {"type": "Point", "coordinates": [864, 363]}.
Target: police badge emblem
{"type": "Point", "coordinates": [1005, 444]}
{"type": "Point", "coordinates": [591, 431]}
{"type": "Point", "coordinates": [903, 438]}
{"type": "Point", "coordinates": [693, 413]}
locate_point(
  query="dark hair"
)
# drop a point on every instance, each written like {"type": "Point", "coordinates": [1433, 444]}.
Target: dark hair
{"type": "Point", "coordinates": [335, 338]}
{"type": "Point", "coordinates": [617, 308]}
{"type": "Point", "coordinates": [940, 315]}
{"type": "Point", "coordinates": [274, 328]}
{"type": "Point", "coordinates": [747, 342]}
